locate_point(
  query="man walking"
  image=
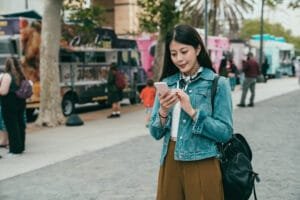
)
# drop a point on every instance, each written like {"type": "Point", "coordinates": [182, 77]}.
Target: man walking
{"type": "Point", "coordinates": [251, 70]}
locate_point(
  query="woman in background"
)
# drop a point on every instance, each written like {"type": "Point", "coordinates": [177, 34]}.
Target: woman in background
{"type": "Point", "coordinates": [13, 107]}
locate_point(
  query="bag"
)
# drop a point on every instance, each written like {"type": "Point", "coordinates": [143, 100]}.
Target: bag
{"type": "Point", "coordinates": [237, 174]}
{"type": "Point", "coordinates": [120, 80]}
{"type": "Point", "coordinates": [25, 90]}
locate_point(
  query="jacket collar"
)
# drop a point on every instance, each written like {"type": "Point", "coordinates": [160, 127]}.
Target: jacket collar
{"type": "Point", "coordinates": [206, 74]}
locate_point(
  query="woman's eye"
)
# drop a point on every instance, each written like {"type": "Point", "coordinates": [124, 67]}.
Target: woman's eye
{"type": "Point", "coordinates": [184, 52]}
{"type": "Point", "coordinates": [173, 55]}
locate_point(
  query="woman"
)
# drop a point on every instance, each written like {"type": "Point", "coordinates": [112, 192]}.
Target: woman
{"type": "Point", "coordinates": [115, 95]}
{"type": "Point", "coordinates": [183, 116]}
{"type": "Point", "coordinates": [13, 107]}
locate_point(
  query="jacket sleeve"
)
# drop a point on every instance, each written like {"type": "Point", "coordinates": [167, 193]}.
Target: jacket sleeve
{"type": "Point", "coordinates": [157, 130]}
{"type": "Point", "coordinates": [219, 125]}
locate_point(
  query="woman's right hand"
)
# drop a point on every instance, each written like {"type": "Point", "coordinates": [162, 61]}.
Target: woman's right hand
{"type": "Point", "coordinates": [167, 100]}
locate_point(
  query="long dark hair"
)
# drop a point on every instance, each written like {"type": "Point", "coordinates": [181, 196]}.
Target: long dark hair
{"type": "Point", "coordinates": [184, 34]}
{"type": "Point", "coordinates": [13, 67]}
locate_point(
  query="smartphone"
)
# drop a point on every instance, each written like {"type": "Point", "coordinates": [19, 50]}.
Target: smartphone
{"type": "Point", "coordinates": [161, 87]}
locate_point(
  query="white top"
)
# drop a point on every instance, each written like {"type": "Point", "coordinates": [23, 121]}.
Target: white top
{"type": "Point", "coordinates": [175, 119]}
{"type": "Point", "coordinates": [177, 108]}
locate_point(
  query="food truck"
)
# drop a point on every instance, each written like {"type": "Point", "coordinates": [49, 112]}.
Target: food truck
{"type": "Point", "coordinates": [82, 70]}
{"type": "Point", "coordinates": [278, 52]}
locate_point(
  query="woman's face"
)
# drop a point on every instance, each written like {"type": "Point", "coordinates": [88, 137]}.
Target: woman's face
{"type": "Point", "coordinates": [184, 57]}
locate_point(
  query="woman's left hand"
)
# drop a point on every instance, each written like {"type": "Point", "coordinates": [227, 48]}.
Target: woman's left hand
{"type": "Point", "coordinates": [185, 102]}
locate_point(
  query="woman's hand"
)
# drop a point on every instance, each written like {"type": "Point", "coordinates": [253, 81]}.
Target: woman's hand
{"type": "Point", "coordinates": [167, 100]}
{"type": "Point", "coordinates": [185, 103]}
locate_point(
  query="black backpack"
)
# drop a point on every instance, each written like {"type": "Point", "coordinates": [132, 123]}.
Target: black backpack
{"type": "Point", "coordinates": [237, 174]}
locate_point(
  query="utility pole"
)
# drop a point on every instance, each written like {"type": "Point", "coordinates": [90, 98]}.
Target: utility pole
{"type": "Point", "coordinates": [26, 4]}
{"type": "Point", "coordinates": [261, 50]}
{"type": "Point", "coordinates": [206, 23]}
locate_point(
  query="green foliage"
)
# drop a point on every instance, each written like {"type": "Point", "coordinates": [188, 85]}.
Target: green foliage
{"type": "Point", "coordinates": [149, 16]}
{"type": "Point", "coordinates": [85, 20]}
{"type": "Point", "coordinates": [252, 27]}
{"type": "Point", "coordinates": [159, 15]}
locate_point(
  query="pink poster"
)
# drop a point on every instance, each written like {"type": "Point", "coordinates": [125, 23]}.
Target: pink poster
{"type": "Point", "coordinates": [146, 47]}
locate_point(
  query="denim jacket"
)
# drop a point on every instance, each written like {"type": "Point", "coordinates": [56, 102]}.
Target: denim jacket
{"type": "Point", "coordinates": [196, 140]}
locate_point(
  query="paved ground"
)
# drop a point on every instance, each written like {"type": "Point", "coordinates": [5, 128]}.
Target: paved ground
{"type": "Point", "coordinates": [108, 160]}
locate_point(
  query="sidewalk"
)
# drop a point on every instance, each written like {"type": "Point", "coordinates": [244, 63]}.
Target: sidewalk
{"type": "Point", "coordinates": [51, 145]}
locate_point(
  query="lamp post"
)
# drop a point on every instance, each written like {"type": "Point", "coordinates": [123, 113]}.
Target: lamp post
{"type": "Point", "coordinates": [205, 23]}
{"type": "Point", "coordinates": [261, 49]}
{"type": "Point", "coordinates": [26, 4]}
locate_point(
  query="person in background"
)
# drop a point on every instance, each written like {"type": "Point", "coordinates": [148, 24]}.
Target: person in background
{"type": "Point", "coordinates": [183, 116]}
{"type": "Point", "coordinates": [115, 95]}
{"type": "Point", "coordinates": [13, 108]}
{"type": "Point", "coordinates": [264, 68]}
{"type": "Point", "coordinates": [232, 74]}
{"type": "Point", "coordinates": [147, 96]}
{"type": "Point", "coordinates": [4, 139]}
{"type": "Point", "coordinates": [223, 67]}
{"type": "Point", "coordinates": [3, 132]}
{"type": "Point", "coordinates": [251, 70]}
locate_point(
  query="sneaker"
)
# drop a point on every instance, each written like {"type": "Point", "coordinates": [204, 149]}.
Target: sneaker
{"type": "Point", "coordinates": [112, 116]}
{"type": "Point", "coordinates": [250, 105]}
{"type": "Point", "coordinates": [241, 105]}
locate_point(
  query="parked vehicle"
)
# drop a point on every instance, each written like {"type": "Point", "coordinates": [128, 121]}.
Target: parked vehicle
{"type": "Point", "coordinates": [82, 70]}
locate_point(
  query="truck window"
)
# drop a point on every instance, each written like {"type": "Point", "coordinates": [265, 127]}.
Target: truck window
{"type": "Point", "coordinates": [95, 57]}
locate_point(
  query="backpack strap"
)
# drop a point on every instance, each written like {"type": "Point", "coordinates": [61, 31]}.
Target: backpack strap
{"type": "Point", "coordinates": [214, 87]}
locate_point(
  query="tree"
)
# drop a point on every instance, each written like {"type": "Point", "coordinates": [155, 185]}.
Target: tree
{"type": "Point", "coordinates": [158, 16]}
{"type": "Point", "coordinates": [85, 20]}
{"type": "Point", "coordinates": [250, 28]}
{"type": "Point", "coordinates": [227, 12]}
{"type": "Point", "coordinates": [50, 99]}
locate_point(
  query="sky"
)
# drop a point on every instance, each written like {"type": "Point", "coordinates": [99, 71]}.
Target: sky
{"type": "Point", "coordinates": [289, 18]}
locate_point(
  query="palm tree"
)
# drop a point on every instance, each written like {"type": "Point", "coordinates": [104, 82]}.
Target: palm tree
{"type": "Point", "coordinates": [229, 12]}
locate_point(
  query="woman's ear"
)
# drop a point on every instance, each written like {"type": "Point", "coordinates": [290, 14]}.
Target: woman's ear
{"type": "Point", "coordinates": [198, 50]}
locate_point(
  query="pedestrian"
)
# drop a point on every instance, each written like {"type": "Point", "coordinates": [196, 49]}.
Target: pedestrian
{"type": "Point", "coordinates": [223, 67]}
{"type": "Point", "coordinates": [115, 94]}
{"type": "Point", "coordinates": [297, 68]}
{"type": "Point", "coordinates": [183, 116]}
{"type": "Point", "coordinates": [147, 96]}
{"type": "Point", "coordinates": [4, 139]}
{"type": "Point", "coordinates": [13, 108]}
{"type": "Point", "coordinates": [264, 68]}
{"type": "Point", "coordinates": [251, 70]}
{"type": "Point", "coordinates": [232, 74]}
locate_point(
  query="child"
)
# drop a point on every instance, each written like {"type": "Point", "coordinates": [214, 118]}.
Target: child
{"type": "Point", "coordinates": [147, 96]}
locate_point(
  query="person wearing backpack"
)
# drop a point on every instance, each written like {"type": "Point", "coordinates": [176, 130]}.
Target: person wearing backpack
{"type": "Point", "coordinates": [183, 117]}
{"type": "Point", "coordinates": [13, 107]}
{"type": "Point", "coordinates": [115, 94]}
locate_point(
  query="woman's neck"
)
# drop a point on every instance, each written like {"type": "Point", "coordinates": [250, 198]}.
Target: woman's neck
{"type": "Point", "coordinates": [193, 71]}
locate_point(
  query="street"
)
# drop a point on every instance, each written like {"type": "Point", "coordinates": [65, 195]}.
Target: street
{"type": "Point", "coordinates": [128, 170]}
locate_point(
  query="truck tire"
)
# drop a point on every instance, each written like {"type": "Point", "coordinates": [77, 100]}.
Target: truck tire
{"type": "Point", "coordinates": [68, 105]}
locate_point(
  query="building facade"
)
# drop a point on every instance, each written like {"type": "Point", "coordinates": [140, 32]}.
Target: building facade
{"type": "Point", "coordinates": [121, 15]}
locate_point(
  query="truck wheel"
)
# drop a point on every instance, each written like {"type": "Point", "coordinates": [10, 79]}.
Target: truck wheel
{"type": "Point", "coordinates": [68, 105]}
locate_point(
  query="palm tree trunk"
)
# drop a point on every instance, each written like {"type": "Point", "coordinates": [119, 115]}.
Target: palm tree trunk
{"type": "Point", "coordinates": [50, 101]}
